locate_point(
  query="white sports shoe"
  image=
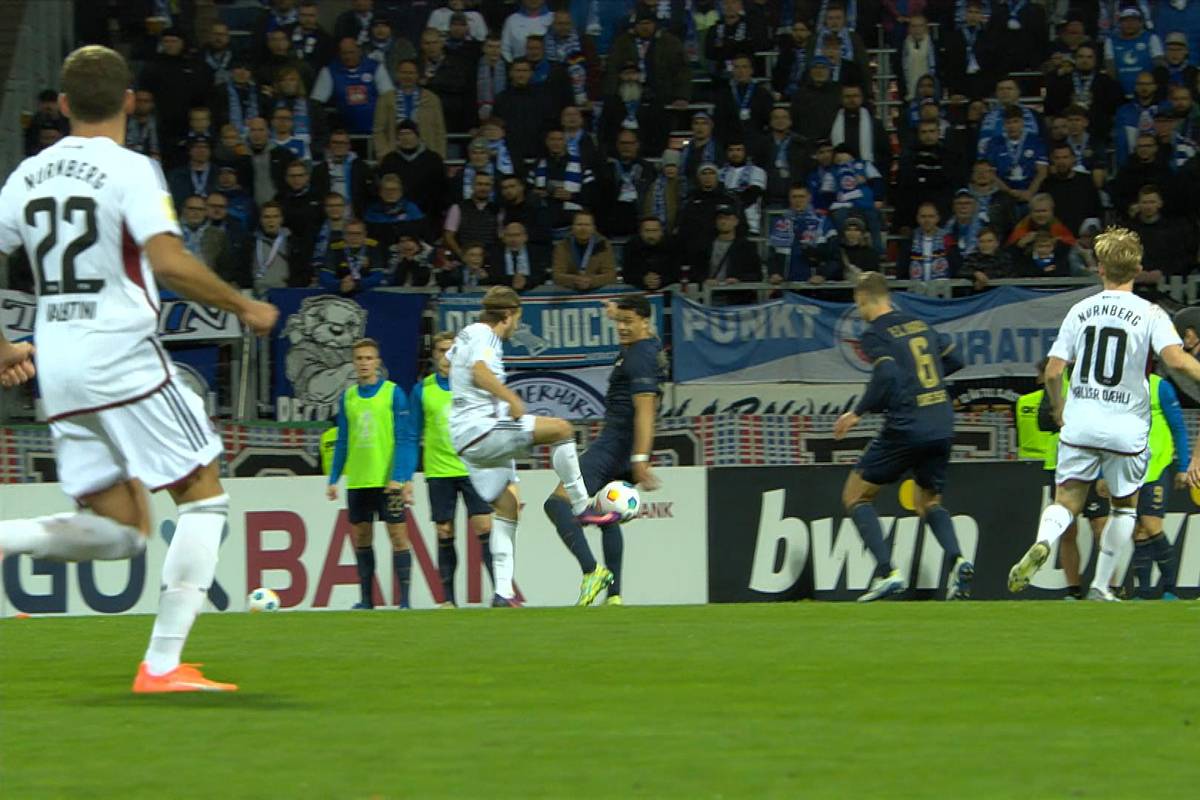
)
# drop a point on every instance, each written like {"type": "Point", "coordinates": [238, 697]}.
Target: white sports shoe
{"type": "Point", "coordinates": [1103, 595]}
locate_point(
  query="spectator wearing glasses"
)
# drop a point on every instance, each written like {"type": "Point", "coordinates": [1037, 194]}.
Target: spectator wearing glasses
{"type": "Point", "coordinates": [201, 239]}
{"type": "Point", "coordinates": [515, 262]}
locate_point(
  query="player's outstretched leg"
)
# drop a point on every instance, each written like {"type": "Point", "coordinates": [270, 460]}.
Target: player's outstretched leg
{"type": "Point", "coordinates": [613, 543]}
{"type": "Point", "coordinates": [564, 457]}
{"type": "Point", "coordinates": [117, 529]}
{"type": "Point", "coordinates": [1117, 533]}
{"type": "Point", "coordinates": [187, 573]}
{"type": "Point", "coordinates": [595, 578]}
{"type": "Point", "coordinates": [1056, 519]}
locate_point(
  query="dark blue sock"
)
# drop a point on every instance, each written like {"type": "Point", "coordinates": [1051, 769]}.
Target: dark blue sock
{"type": "Point", "coordinates": [402, 563]}
{"type": "Point", "coordinates": [365, 559]}
{"type": "Point", "coordinates": [613, 542]}
{"type": "Point", "coordinates": [939, 522]}
{"type": "Point", "coordinates": [485, 547]}
{"type": "Point", "coordinates": [570, 531]}
{"type": "Point", "coordinates": [1143, 562]}
{"type": "Point", "coordinates": [447, 566]}
{"type": "Point", "coordinates": [1164, 556]}
{"type": "Point", "coordinates": [867, 522]}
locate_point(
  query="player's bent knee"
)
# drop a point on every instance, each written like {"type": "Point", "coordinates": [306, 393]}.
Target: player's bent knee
{"type": "Point", "coordinates": [445, 530]}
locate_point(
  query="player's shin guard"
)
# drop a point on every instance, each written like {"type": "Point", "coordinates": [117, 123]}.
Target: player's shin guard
{"type": "Point", "coordinates": [364, 562]}
{"type": "Point", "coordinates": [1164, 557]}
{"type": "Point", "coordinates": [402, 564]}
{"type": "Point", "coordinates": [504, 535]}
{"type": "Point", "coordinates": [447, 566]}
{"type": "Point", "coordinates": [867, 522]}
{"type": "Point", "coordinates": [1117, 531]}
{"type": "Point", "coordinates": [565, 459]}
{"type": "Point", "coordinates": [613, 542]}
{"type": "Point", "coordinates": [939, 522]}
{"type": "Point", "coordinates": [1054, 523]}
{"type": "Point", "coordinates": [74, 536]}
{"type": "Point", "coordinates": [187, 573]}
{"type": "Point", "coordinates": [570, 531]}
{"type": "Point", "coordinates": [1143, 563]}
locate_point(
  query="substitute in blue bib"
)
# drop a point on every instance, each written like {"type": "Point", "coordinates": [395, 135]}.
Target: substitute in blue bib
{"type": "Point", "coordinates": [910, 362]}
{"type": "Point", "coordinates": [445, 473]}
{"type": "Point", "coordinates": [376, 454]}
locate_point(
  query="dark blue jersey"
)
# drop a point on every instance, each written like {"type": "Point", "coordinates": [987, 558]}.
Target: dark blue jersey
{"type": "Point", "coordinates": [911, 361]}
{"type": "Point", "coordinates": [640, 369]}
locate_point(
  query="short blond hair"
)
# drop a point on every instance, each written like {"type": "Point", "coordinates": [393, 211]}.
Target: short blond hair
{"type": "Point", "coordinates": [872, 285]}
{"type": "Point", "coordinates": [364, 343]}
{"type": "Point", "coordinates": [1119, 251]}
{"type": "Point", "coordinates": [441, 336]}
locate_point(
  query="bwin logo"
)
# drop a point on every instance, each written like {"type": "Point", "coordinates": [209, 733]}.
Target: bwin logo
{"type": "Point", "coordinates": [785, 544]}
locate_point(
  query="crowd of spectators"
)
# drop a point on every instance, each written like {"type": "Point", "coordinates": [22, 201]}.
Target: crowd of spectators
{"type": "Point", "coordinates": [528, 144]}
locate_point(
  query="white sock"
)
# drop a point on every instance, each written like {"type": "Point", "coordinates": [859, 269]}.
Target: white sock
{"type": "Point", "coordinates": [504, 534]}
{"type": "Point", "coordinates": [1055, 521]}
{"type": "Point", "coordinates": [187, 573]}
{"type": "Point", "coordinates": [565, 459]}
{"type": "Point", "coordinates": [1117, 531]}
{"type": "Point", "coordinates": [75, 536]}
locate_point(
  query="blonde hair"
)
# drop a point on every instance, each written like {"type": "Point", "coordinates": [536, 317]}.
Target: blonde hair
{"type": "Point", "coordinates": [1119, 251]}
{"type": "Point", "coordinates": [872, 285]}
{"type": "Point", "coordinates": [442, 336]}
{"type": "Point", "coordinates": [498, 304]}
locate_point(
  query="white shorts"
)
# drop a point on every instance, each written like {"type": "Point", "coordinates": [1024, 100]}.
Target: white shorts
{"type": "Point", "coordinates": [490, 458]}
{"type": "Point", "coordinates": [1124, 474]}
{"type": "Point", "coordinates": [158, 440]}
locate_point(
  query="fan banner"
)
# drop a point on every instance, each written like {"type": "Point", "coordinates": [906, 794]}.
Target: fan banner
{"type": "Point", "coordinates": [557, 329]}
{"type": "Point", "coordinates": [311, 347]}
{"type": "Point", "coordinates": [999, 333]}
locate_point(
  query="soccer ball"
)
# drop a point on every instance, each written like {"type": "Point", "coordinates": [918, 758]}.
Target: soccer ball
{"type": "Point", "coordinates": [262, 600]}
{"type": "Point", "coordinates": [621, 497]}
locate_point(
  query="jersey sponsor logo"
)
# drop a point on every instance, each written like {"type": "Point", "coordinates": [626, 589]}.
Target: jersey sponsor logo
{"type": "Point", "coordinates": [319, 362]}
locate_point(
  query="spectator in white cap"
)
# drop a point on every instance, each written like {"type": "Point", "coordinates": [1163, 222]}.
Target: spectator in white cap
{"type": "Point", "coordinates": [1083, 253]}
{"type": "Point", "coordinates": [702, 148]}
{"type": "Point", "coordinates": [1133, 50]}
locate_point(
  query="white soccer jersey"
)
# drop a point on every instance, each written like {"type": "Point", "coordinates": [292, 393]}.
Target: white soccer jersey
{"type": "Point", "coordinates": [1110, 337]}
{"type": "Point", "coordinates": [474, 411]}
{"type": "Point", "coordinates": [83, 209]}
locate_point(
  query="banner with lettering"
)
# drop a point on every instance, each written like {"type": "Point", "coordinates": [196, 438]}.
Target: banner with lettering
{"type": "Point", "coordinates": [557, 329]}
{"type": "Point", "coordinates": [311, 345]}
{"type": "Point", "coordinates": [1002, 332]}
{"type": "Point", "coordinates": [179, 320]}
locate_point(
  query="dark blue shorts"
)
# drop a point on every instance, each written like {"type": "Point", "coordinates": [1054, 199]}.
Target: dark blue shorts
{"type": "Point", "coordinates": [888, 460]}
{"type": "Point", "coordinates": [364, 504]}
{"type": "Point", "coordinates": [443, 498]}
{"type": "Point", "coordinates": [1096, 506]}
{"type": "Point", "coordinates": [605, 460]}
{"type": "Point", "coordinates": [1152, 499]}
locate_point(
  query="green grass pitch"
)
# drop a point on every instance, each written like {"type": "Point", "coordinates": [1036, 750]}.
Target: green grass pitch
{"type": "Point", "coordinates": [900, 700]}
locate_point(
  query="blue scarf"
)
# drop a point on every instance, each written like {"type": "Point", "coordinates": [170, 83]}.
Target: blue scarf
{"type": "Point", "coordinates": [501, 157]}
{"type": "Point", "coordinates": [851, 7]}
{"type": "Point", "coordinates": [321, 245]}
{"type": "Point", "coordinates": [799, 66]}
{"type": "Point", "coordinates": [572, 176]}
{"type": "Point", "coordinates": [558, 50]}
{"type": "Point", "coordinates": [541, 72]}
{"type": "Point", "coordinates": [583, 255]}
{"type": "Point", "coordinates": [239, 115]}
{"type": "Point", "coordinates": [406, 104]}
{"type": "Point", "coordinates": [193, 239]}
{"type": "Point", "coordinates": [301, 120]}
